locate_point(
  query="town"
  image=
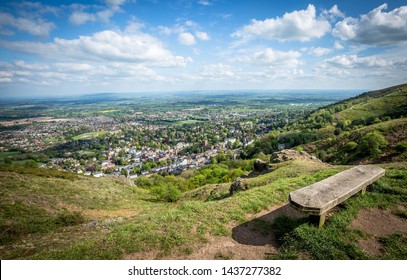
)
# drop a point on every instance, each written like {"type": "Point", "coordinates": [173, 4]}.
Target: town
{"type": "Point", "coordinates": [131, 140]}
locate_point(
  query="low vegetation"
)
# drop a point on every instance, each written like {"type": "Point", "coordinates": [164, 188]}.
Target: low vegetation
{"type": "Point", "coordinates": [50, 214]}
{"type": "Point", "coordinates": [336, 240]}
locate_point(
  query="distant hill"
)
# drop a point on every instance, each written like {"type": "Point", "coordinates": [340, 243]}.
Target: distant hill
{"type": "Point", "coordinates": [327, 132]}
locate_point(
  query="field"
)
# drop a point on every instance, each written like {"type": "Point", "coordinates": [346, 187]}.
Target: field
{"type": "Point", "coordinates": [4, 155]}
{"type": "Point", "coordinates": [180, 123]}
{"type": "Point", "coordinates": [89, 135]}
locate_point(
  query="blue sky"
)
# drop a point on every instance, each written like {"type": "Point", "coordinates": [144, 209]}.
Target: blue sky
{"type": "Point", "coordinates": [77, 47]}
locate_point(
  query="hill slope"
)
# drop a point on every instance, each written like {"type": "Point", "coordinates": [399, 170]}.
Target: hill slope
{"type": "Point", "coordinates": [47, 214]}
{"type": "Point", "coordinates": [118, 221]}
{"type": "Point", "coordinates": [327, 131]}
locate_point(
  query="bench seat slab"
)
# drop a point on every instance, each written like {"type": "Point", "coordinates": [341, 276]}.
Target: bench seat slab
{"type": "Point", "coordinates": [319, 197]}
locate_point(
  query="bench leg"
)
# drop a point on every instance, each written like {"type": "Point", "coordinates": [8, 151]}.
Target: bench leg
{"type": "Point", "coordinates": [363, 190]}
{"type": "Point", "coordinates": [320, 220]}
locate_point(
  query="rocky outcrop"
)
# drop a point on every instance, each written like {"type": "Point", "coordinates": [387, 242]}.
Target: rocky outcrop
{"type": "Point", "coordinates": [238, 185]}
{"type": "Point", "coordinates": [288, 154]}
{"type": "Point", "coordinates": [260, 165]}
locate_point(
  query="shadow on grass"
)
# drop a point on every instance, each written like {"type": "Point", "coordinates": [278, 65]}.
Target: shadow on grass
{"type": "Point", "coordinates": [269, 229]}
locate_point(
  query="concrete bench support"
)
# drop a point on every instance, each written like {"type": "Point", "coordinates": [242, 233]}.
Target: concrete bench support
{"type": "Point", "coordinates": [317, 199]}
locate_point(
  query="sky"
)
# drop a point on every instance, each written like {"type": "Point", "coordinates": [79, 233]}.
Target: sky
{"type": "Point", "coordinates": [77, 47]}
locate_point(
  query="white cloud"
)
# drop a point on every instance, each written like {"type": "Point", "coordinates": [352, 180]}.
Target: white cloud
{"type": "Point", "coordinates": [354, 61]}
{"type": "Point", "coordinates": [114, 3]}
{"type": "Point", "coordinates": [318, 51]}
{"type": "Point", "coordinates": [36, 27]}
{"type": "Point", "coordinates": [204, 2]}
{"type": "Point", "coordinates": [270, 57]}
{"type": "Point", "coordinates": [187, 32]}
{"type": "Point", "coordinates": [108, 46]}
{"type": "Point", "coordinates": [79, 18]}
{"type": "Point", "coordinates": [76, 73]}
{"type": "Point", "coordinates": [333, 14]}
{"type": "Point", "coordinates": [186, 39]}
{"type": "Point", "coordinates": [35, 9]}
{"type": "Point", "coordinates": [375, 28]}
{"type": "Point", "coordinates": [203, 36]}
{"type": "Point", "coordinates": [300, 25]}
{"type": "Point", "coordinates": [338, 45]}
{"type": "Point", "coordinates": [217, 71]}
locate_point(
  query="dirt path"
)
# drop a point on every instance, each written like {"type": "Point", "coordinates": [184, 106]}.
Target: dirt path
{"type": "Point", "coordinates": [245, 242]}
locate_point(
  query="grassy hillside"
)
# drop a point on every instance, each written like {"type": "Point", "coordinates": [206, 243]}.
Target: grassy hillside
{"type": "Point", "coordinates": [388, 102]}
{"type": "Point", "coordinates": [327, 131]}
{"type": "Point", "coordinates": [113, 220]}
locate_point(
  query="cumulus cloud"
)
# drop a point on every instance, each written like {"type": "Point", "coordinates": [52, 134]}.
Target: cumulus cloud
{"type": "Point", "coordinates": [203, 36]}
{"type": "Point", "coordinates": [114, 3]}
{"type": "Point", "coordinates": [37, 27]}
{"type": "Point", "coordinates": [187, 31]}
{"type": "Point", "coordinates": [300, 25]}
{"type": "Point", "coordinates": [108, 46]}
{"type": "Point", "coordinates": [333, 14]}
{"type": "Point", "coordinates": [217, 71]}
{"type": "Point", "coordinates": [79, 18]}
{"type": "Point", "coordinates": [318, 51]}
{"type": "Point", "coordinates": [354, 61]}
{"type": "Point", "coordinates": [375, 28]}
{"type": "Point", "coordinates": [79, 15]}
{"type": "Point", "coordinates": [337, 45]}
{"type": "Point", "coordinates": [186, 39]}
{"type": "Point", "coordinates": [73, 72]}
{"type": "Point", "coordinates": [270, 57]}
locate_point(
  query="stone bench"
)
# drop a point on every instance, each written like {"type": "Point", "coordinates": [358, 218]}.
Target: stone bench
{"type": "Point", "coordinates": [317, 199]}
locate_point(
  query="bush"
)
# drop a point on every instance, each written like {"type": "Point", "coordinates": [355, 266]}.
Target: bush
{"type": "Point", "coordinates": [372, 144]}
{"type": "Point", "coordinates": [401, 147]}
{"type": "Point", "coordinates": [299, 149]}
{"type": "Point", "coordinates": [350, 146]}
{"type": "Point", "coordinates": [69, 219]}
{"type": "Point", "coordinates": [168, 193]}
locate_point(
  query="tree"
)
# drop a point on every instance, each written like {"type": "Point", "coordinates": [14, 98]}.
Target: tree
{"type": "Point", "coordinates": [372, 144]}
{"type": "Point", "coordinates": [30, 163]}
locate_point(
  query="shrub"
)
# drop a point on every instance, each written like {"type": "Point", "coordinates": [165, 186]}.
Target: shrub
{"type": "Point", "coordinates": [299, 149]}
{"type": "Point", "coordinates": [350, 146]}
{"type": "Point", "coordinates": [166, 192]}
{"type": "Point", "coordinates": [372, 144]}
{"type": "Point", "coordinates": [69, 219]}
{"type": "Point", "coordinates": [401, 147]}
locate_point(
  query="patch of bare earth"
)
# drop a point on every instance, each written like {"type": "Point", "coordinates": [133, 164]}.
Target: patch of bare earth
{"type": "Point", "coordinates": [245, 243]}
{"type": "Point", "coordinates": [377, 223]}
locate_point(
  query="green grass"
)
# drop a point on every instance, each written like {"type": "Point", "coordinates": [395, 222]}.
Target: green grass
{"type": "Point", "coordinates": [335, 240]}
{"type": "Point", "coordinates": [4, 155]}
{"type": "Point", "coordinates": [176, 228]}
{"type": "Point", "coordinates": [337, 148]}
{"type": "Point", "coordinates": [394, 247]}
{"type": "Point", "coordinates": [54, 139]}
{"type": "Point", "coordinates": [180, 123]}
{"type": "Point", "coordinates": [108, 111]}
{"type": "Point", "coordinates": [89, 135]}
{"type": "Point", "coordinates": [40, 200]}
{"type": "Point", "coordinates": [375, 107]}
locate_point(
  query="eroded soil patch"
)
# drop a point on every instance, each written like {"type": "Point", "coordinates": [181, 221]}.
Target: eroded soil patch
{"type": "Point", "coordinates": [377, 223]}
